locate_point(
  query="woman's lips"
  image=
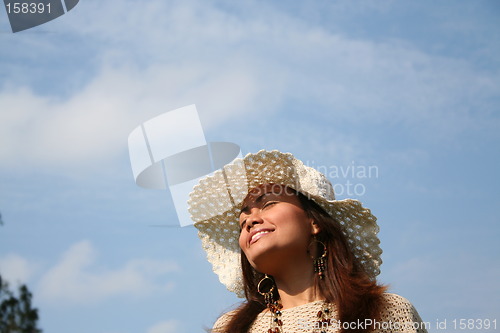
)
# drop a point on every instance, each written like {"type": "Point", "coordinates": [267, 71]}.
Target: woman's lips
{"type": "Point", "coordinates": [257, 234]}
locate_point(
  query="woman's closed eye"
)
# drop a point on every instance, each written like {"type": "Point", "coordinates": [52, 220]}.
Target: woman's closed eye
{"type": "Point", "coordinates": [268, 204]}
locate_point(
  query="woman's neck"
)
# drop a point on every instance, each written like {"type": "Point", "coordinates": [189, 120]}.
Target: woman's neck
{"type": "Point", "coordinates": [296, 286]}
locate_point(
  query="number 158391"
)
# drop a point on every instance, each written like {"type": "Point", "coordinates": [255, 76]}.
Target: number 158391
{"type": "Point", "coordinates": [27, 8]}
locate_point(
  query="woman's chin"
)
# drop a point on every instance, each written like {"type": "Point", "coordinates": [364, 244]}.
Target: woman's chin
{"type": "Point", "coordinates": [265, 260]}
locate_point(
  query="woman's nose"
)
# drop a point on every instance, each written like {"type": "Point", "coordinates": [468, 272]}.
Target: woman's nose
{"type": "Point", "coordinates": [254, 219]}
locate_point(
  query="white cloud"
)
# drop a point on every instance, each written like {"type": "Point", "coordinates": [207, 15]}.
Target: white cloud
{"type": "Point", "coordinates": [15, 269]}
{"type": "Point", "coordinates": [93, 125]}
{"type": "Point", "coordinates": [76, 278]}
{"type": "Point", "coordinates": [169, 326]}
{"type": "Point", "coordinates": [233, 64]}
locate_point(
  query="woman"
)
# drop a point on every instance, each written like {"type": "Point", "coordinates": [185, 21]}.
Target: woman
{"type": "Point", "coordinates": [304, 261]}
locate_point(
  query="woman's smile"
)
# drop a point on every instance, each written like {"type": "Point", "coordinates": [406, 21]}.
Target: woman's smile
{"type": "Point", "coordinates": [258, 234]}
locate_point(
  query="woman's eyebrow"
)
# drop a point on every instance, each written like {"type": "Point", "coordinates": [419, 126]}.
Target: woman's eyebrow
{"type": "Point", "coordinates": [246, 208]}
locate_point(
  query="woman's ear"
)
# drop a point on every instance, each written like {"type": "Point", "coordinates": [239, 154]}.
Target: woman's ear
{"type": "Point", "coordinates": [315, 229]}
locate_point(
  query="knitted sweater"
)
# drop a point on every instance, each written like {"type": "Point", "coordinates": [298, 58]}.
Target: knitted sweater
{"type": "Point", "coordinates": [397, 315]}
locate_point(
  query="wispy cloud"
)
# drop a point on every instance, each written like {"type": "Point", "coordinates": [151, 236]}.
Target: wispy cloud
{"type": "Point", "coordinates": [15, 269]}
{"type": "Point", "coordinates": [169, 326]}
{"type": "Point", "coordinates": [229, 63]}
{"type": "Point", "coordinates": [77, 279]}
{"type": "Point", "coordinates": [94, 123]}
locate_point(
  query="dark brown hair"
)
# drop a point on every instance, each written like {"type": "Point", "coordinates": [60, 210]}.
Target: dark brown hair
{"type": "Point", "coordinates": [346, 284]}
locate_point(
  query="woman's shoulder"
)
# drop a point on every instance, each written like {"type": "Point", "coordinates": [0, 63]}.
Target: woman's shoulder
{"type": "Point", "coordinates": [399, 311]}
{"type": "Point", "coordinates": [222, 321]}
{"type": "Point", "coordinates": [395, 300]}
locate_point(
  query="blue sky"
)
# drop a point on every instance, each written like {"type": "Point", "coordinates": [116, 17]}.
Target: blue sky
{"type": "Point", "coordinates": [411, 87]}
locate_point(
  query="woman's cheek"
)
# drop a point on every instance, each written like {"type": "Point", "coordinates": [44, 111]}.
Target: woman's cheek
{"type": "Point", "coordinates": [242, 238]}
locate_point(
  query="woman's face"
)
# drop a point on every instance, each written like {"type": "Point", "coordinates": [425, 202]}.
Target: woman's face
{"type": "Point", "coordinates": [274, 227]}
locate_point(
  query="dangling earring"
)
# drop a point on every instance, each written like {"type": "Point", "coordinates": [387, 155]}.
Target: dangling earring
{"type": "Point", "coordinates": [319, 263]}
{"type": "Point", "coordinates": [274, 306]}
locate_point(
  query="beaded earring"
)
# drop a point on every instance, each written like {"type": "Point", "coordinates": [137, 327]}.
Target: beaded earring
{"type": "Point", "coordinates": [274, 306]}
{"type": "Point", "coordinates": [319, 263]}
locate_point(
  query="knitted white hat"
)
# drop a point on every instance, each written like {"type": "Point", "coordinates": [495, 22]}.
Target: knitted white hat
{"type": "Point", "coordinates": [215, 205]}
